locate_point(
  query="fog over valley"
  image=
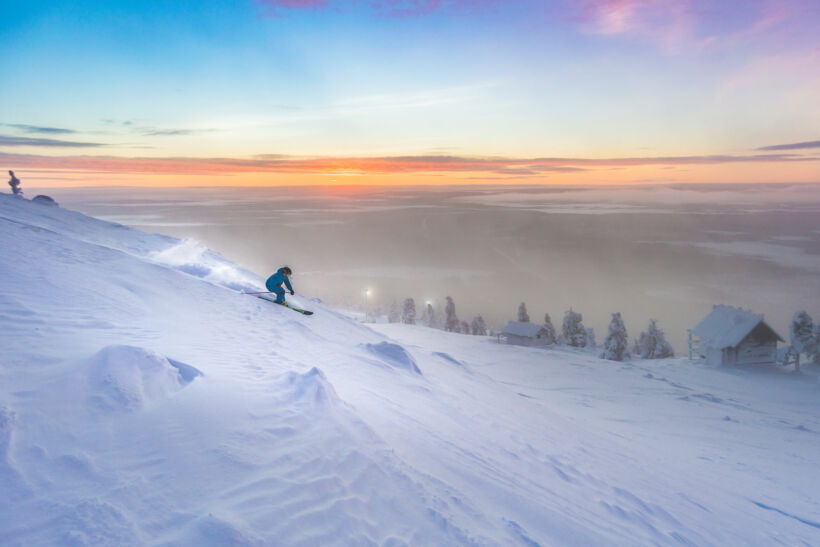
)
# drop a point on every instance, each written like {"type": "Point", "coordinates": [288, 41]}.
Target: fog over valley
{"type": "Point", "coordinates": [664, 252]}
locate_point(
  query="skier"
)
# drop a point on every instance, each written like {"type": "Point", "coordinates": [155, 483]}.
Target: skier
{"type": "Point", "coordinates": [15, 184]}
{"type": "Point", "coordinates": [274, 283]}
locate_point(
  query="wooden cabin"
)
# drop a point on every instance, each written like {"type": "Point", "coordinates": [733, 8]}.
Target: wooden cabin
{"type": "Point", "coordinates": [523, 334]}
{"type": "Point", "coordinates": [733, 336]}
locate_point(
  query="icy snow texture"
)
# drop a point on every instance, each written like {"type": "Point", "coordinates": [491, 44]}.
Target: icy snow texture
{"type": "Point", "coordinates": [291, 435]}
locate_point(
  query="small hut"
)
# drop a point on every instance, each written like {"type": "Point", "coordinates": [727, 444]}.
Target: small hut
{"type": "Point", "coordinates": [523, 334]}
{"type": "Point", "coordinates": [733, 336]}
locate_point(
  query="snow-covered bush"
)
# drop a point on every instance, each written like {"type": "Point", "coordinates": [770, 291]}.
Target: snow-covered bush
{"type": "Point", "coordinates": [465, 327]}
{"type": "Point", "coordinates": [395, 315]}
{"type": "Point", "coordinates": [523, 316]}
{"type": "Point", "coordinates": [451, 322]}
{"type": "Point", "coordinates": [652, 344]}
{"type": "Point", "coordinates": [408, 312]}
{"type": "Point", "coordinates": [616, 340]}
{"type": "Point", "coordinates": [478, 326]}
{"type": "Point", "coordinates": [573, 332]}
{"type": "Point", "coordinates": [549, 337]}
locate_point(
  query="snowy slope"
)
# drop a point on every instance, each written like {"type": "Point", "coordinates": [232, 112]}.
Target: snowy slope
{"type": "Point", "coordinates": [144, 400]}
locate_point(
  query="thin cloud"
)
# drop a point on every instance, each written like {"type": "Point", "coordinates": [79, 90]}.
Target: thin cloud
{"type": "Point", "coordinates": [50, 143]}
{"type": "Point", "coordinates": [151, 132]}
{"type": "Point", "coordinates": [791, 146]}
{"type": "Point", "coordinates": [385, 8]}
{"type": "Point", "coordinates": [373, 165]}
{"type": "Point", "coordinates": [38, 129]}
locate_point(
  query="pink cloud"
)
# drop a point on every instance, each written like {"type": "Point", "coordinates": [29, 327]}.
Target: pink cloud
{"type": "Point", "coordinates": [665, 21]}
{"type": "Point", "coordinates": [681, 25]}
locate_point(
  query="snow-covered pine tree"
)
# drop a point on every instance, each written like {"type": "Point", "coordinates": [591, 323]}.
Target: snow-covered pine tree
{"type": "Point", "coordinates": [573, 332]}
{"type": "Point", "coordinates": [408, 312]}
{"type": "Point", "coordinates": [451, 322]}
{"type": "Point", "coordinates": [523, 316]}
{"type": "Point", "coordinates": [550, 337]}
{"type": "Point", "coordinates": [591, 337]}
{"type": "Point", "coordinates": [465, 327]}
{"type": "Point", "coordinates": [478, 327]}
{"type": "Point", "coordinates": [801, 333]}
{"type": "Point", "coordinates": [816, 357]}
{"type": "Point", "coordinates": [652, 344]}
{"type": "Point", "coordinates": [432, 320]}
{"type": "Point", "coordinates": [395, 315]}
{"type": "Point", "coordinates": [616, 340]}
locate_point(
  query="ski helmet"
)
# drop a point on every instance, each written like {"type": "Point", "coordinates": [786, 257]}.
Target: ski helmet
{"type": "Point", "coordinates": [286, 270]}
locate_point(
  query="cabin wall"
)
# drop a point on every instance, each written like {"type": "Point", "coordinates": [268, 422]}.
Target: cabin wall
{"type": "Point", "coordinates": [515, 340]}
{"type": "Point", "coordinates": [755, 352]}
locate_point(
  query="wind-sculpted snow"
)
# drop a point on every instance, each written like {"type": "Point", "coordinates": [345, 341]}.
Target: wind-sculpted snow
{"type": "Point", "coordinates": [394, 355]}
{"type": "Point", "coordinates": [311, 388]}
{"type": "Point", "coordinates": [144, 402]}
{"type": "Point", "coordinates": [129, 378]}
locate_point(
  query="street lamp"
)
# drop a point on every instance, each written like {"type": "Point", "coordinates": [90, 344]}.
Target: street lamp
{"type": "Point", "coordinates": [366, 294]}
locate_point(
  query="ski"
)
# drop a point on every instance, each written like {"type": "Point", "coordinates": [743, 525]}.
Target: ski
{"type": "Point", "coordinates": [285, 304]}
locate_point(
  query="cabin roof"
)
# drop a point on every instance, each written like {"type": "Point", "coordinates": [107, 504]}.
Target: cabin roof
{"type": "Point", "coordinates": [727, 326]}
{"type": "Point", "coordinates": [518, 328]}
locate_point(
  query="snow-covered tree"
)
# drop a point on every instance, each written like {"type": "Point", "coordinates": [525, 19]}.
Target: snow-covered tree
{"type": "Point", "coordinates": [802, 334]}
{"type": "Point", "coordinates": [816, 357]}
{"type": "Point", "coordinates": [451, 322]}
{"type": "Point", "coordinates": [478, 326]}
{"type": "Point", "coordinates": [465, 327]}
{"type": "Point", "coordinates": [573, 332]}
{"type": "Point", "coordinates": [591, 337]}
{"type": "Point", "coordinates": [523, 316]}
{"type": "Point", "coordinates": [652, 344]}
{"type": "Point", "coordinates": [408, 312]}
{"type": "Point", "coordinates": [395, 315]}
{"type": "Point", "coordinates": [549, 337]}
{"type": "Point", "coordinates": [616, 340]}
{"type": "Point", "coordinates": [430, 315]}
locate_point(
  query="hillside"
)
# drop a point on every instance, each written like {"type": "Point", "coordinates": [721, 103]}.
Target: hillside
{"type": "Point", "coordinates": [144, 400]}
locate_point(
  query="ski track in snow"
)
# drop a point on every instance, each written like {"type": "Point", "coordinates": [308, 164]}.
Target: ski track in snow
{"type": "Point", "coordinates": [144, 400]}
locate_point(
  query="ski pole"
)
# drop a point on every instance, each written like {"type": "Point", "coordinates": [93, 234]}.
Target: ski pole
{"type": "Point", "coordinates": [263, 292]}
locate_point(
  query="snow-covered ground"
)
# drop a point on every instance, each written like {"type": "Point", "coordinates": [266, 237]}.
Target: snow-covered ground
{"type": "Point", "coordinates": [144, 400]}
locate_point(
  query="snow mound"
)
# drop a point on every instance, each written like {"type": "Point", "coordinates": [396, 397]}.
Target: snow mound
{"type": "Point", "coordinates": [311, 388]}
{"type": "Point", "coordinates": [130, 378]}
{"type": "Point", "coordinates": [45, 200]}
{"type": "Point", "coordinates": [194, 258]}
{"type": "Point", "coordinates": [394, 355]}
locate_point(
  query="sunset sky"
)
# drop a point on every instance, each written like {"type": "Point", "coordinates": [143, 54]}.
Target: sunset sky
{"type": "Point", "coordinates": [410, 92]}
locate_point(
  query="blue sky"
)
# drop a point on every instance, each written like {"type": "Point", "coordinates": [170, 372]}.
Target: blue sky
{"type": "Point", "coordinates": [475, 79]}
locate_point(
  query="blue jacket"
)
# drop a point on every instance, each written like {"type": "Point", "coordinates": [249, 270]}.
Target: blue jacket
{"type": "Point", "coordinates": [276, 280]}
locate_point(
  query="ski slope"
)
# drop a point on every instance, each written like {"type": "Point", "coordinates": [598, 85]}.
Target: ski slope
{"type": "Point", "coordinates": [144, 400]}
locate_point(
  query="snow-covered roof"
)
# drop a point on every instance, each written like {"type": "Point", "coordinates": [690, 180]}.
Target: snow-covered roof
{"type": "Point", "coordinates": [727, 326]}
{"type": "Point", "coordinates": [518, 328]}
